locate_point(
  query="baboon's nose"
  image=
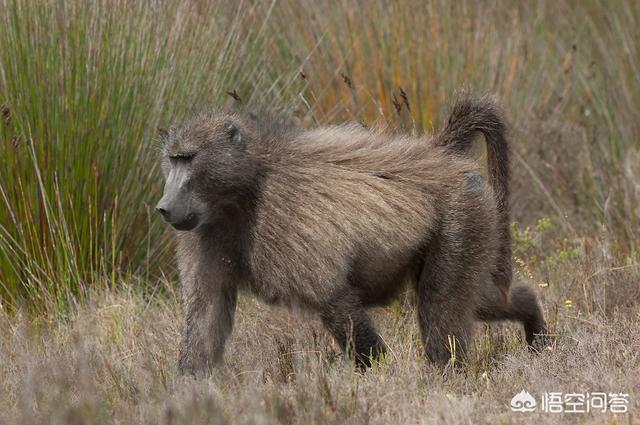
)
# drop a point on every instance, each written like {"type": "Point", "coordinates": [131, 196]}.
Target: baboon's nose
{"type": "Point", "coordinates": [164, 213]}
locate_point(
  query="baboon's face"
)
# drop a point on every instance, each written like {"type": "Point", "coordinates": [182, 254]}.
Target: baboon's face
{"type": "Point", "coordinates": [206, 168]}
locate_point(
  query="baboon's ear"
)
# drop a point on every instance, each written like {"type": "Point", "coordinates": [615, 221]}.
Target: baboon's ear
{"type": "Point", "coordinates": [233, 131]}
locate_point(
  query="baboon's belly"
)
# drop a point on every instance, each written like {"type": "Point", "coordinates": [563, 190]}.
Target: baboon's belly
{"type": "Point", "coordinates": [309, 265]}
{"type": "Point", "coordinates": [386, 262]}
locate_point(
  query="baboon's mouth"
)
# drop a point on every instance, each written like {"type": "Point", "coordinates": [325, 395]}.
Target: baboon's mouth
{"type": "Point", "coordinates": [189, 223]}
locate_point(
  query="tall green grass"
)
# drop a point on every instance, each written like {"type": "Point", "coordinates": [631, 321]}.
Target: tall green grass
{"type": "Point", "coordinates": [86, 84]}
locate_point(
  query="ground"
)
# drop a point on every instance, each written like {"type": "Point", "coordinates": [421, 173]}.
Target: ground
{"type": "Point", "coordinates": [114, 360]}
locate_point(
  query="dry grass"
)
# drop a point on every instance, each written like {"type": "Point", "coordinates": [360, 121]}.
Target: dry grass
{"type": "Point", "coordinates": [114, 360]}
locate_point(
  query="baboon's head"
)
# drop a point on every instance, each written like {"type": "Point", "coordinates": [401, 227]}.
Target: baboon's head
{"type": "Point", "coordinates": [207, 169]}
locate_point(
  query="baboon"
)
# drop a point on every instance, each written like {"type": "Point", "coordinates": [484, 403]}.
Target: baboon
{"type": "Point", "coordinates": [340, 218]}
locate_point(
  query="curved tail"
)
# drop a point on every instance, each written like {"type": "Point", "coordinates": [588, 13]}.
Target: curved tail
{"type": "Point", "coordinates": [470, 116]}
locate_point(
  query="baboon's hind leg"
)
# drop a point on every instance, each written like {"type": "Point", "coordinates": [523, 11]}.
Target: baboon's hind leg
{"type": "Point", "coordinates": [349, 323]}
{"type": "Point", "coordinates": [522, 305]}
{"type": "Point", "coordinates": [446, 299]}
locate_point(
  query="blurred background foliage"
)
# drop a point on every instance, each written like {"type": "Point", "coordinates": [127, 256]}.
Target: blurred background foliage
{"type": "Point", "coordinates": [84, 86]}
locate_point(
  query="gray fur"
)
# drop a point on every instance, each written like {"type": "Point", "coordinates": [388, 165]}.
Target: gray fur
{"type": "Point", "coordinates": [335, 220]}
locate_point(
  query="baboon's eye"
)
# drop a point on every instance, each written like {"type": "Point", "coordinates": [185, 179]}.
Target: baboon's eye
{"type": "Point", "coordinates": [181, 157]}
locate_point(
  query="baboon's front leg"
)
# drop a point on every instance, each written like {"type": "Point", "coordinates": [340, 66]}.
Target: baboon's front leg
{"type": "Point", "coordinates": [350, 325]}
{"type": "Point", "coordinates": [209, 308]}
